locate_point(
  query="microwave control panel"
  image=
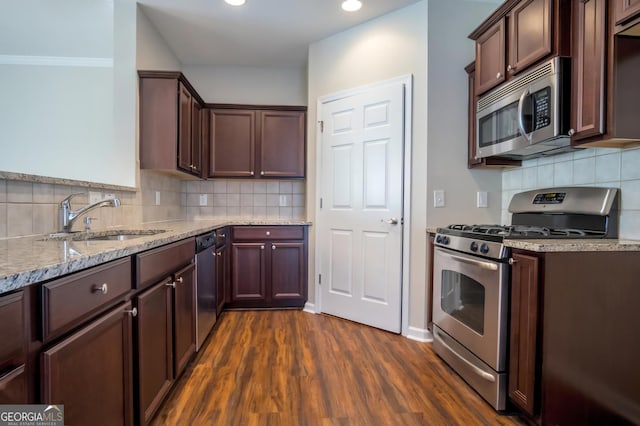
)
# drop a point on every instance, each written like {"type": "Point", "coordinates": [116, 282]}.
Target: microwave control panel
{"type": "Point", "coordinates": [542, 107]}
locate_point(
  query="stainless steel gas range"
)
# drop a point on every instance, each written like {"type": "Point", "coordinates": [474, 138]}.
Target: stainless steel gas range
{"type": "Point", "coordinates": [472, 276]}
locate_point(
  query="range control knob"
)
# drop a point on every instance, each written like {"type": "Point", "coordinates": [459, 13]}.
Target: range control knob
{"type": "Point", "coordinates": [445, 240]}
{"type": "Point", "coordinates": [474, 246]}
{"type": "Point", "coordinates": [438, 239]}
{"type": "Point", "coordinates": [484, 248]}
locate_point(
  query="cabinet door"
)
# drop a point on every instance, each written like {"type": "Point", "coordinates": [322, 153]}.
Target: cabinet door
{"type": "Point", "coordinates": [523, 358]}
{"type": "Point", "coordinates": [589, 64]}
{"type": "Point", "coordinates": [490, 58]}
{"type": "Point", "coordinates": [184, 321]}
{"type": "Point", "coordinates": [12, 331]}
{"type": "Point", "coordinates": [282, 143]}
{"type": "Point", "coordinates": [184, 128]}
{"type": "Point", "coordinates": [90, 372]}
{"type": "Point", "coordinates": [232, 143]}
{"type": "Point", "coordinates": [222, 277]}
{"type": "Point", "coordinates": [529, 33]}
{"type": "Point", "coordinates": [288, 276]}
{"type": "Point", "coordinates": [154, 332]}
{"type": "Point", "coordinates": [626, 10]}
{"type": "Point", "coordinates": [196, 138]}
{"type": "Point", "coordinates": [248, 274]}
{"type": "Point", "coordinates": [13, 386]}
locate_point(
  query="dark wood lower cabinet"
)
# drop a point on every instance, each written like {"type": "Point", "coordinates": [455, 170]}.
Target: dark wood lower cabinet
{"type": "Point", "coordinates": [13, 386]}
{"type": "Point", "coordinates": [269, 273]}
{"type": "Point", "coordinates": [524, 373]}
{"type": "Point", "coordinates": [222, 277]}
{"type": "Point", "coordinates": [90, 372]}
{"type": "Point", "coordinates": [184, 321]}
{"type": "Point", "coordinates": [13, 337]}
{"type": "Point", "coordinates": [154, 333]}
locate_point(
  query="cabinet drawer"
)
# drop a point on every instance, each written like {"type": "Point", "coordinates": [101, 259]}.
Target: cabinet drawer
{"type": "Point", "coordinates": [154, 265]}
{"type": "Point", "coordinates": [68, 301]}
{"type": "Point", "coordinates": [12, 331]}
{"type": "Point", "coordinates": [268, 232]}
{"type": "Point", "coordinates": [13, 387]}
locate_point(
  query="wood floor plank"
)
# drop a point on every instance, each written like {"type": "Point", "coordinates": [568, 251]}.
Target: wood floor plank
{"type": "Point", "coordinates": [293, 368]}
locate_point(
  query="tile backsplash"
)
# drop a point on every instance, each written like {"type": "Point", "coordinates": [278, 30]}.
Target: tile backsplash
{"type": "Point", "coordinates": [29, 208]}
{"type": "Point", "coordinates": [604, 167]}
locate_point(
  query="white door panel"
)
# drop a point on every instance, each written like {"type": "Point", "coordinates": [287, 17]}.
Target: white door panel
{"type": "Point", "coordinates": [361, 178]}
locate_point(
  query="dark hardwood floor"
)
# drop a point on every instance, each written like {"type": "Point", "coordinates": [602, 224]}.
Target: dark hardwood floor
{"type": "Point", "coordinates": [294, 368]}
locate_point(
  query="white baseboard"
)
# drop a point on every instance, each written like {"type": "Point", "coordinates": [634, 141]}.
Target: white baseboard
{"type": "Point", "coordinates": [419, 334]}
{"type": "Point", "coordinates": [310, 308]}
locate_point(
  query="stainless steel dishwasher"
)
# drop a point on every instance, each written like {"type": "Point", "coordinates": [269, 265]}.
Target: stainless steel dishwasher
{"type": "Point", "coordinates": [206, 286]}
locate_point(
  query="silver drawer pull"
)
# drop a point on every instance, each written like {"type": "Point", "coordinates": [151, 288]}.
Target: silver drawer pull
{"type": "Point", "coordinates": [133, 312]}
{"type": "Point", "coordinates": [104, 288]}
{"type": "Point", "coordinates": [268, 232]}
{"type": "Point", "coordinates": [180, 280]}
{"type": "Point", "coordinates": [273, 246]}
{"type": "Point", "coordinates": [261, 247]}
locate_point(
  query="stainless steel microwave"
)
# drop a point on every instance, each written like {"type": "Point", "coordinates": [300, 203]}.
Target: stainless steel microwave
{"type": "Point", "coordinates": [528, 116]}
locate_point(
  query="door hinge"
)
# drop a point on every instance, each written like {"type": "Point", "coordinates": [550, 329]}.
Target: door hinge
{"type": "Point", "coordinates": [320, 279]}
{"type": "Point", "coordinates": [321, 126]}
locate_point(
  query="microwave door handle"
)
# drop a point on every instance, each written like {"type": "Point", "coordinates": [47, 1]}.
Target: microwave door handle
{"type": "Point", "coordinates": [521, 115]}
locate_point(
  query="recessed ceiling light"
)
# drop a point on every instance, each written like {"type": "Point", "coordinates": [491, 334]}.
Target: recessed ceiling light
{"type": "Point", "coordinates": [235, 2]}
{"type": "Point", "coordinates": [351, 5]}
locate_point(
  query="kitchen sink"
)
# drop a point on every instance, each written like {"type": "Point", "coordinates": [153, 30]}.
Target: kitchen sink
{"type": "Point", "coordinates": [113, 235]}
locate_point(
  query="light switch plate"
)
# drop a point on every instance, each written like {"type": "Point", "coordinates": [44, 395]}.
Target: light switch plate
{"type": "Point", "coordinates": [482, 199]}
{"type": "Point", "coordinates": [203, 199]}
{"type": "Point", "coordinates": [438, 198]}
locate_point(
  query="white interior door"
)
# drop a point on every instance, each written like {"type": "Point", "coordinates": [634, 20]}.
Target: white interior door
{"type": "Point", "coordinates": [359, 230]}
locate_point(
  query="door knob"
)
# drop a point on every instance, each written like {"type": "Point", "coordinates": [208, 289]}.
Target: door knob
{"type": "Point", "coordinates": [392, 221]}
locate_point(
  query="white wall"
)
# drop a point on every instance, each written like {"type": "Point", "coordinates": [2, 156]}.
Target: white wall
{"type": "Point", "coordinates": [387, 47]}
{"type": "Point", "coordinates": [249, 85]}
{"type": "Point", "coordinates": [615, 168]}
{"type": "Point", "coordinates": [152, 51]}
{"type": "Point", "coordinates": [449, 52]}
{"type": "Point", "coordinates": [66, 80]}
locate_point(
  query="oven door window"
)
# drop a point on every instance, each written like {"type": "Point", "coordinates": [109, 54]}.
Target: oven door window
{"type": "Point", "coordinates": [463, 299]}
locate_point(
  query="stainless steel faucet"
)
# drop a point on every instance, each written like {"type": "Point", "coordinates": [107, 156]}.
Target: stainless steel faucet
{"type": "Point", "coordinates": [66, 216]}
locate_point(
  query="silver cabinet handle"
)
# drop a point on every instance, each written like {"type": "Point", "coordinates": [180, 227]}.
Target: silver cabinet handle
{"type": "Point", "coordinates": [273, 246]}
{"type": "Point", "coordinates": [261, 247]}
{"type": "Point", "coordinates": [512, 261]}
{"type": "Point", "coordinates": [488, 377]}
{"type": "Point", "coordinates": [571, 132]}
{"type": "Point", "coordinates": [180, 280]}
{"type": "Point", "coordinates": [392, 221]}
{"type": "Point", "coordinates": [498, 75]}
{"type": "Point", "coordinates": [510, 68]}
{"type": "Point", "coordinates": [268, 233]}
{"type": "Point", "coordinates": [171, 284]}
{"type": "Point", "coordinates": [104, 288]}
{"type": "Point", "coordinates": [251, 173]}
{"type": "Point", "coordinates": [133, 312]}
{"type": "Point", "coordinates": [261, 173]}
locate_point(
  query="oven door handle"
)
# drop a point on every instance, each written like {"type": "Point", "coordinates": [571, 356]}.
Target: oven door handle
{"type": "Point", "coordinates": [486, 376]}
{"type": "Point", "coordinates": [479, 263]}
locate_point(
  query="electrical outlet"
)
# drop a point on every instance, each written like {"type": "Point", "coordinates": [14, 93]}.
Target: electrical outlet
{"type": "Point", "coordinates": [157, 198]}
{"type": "Point", "coordinates": [438, 198]}
{"type": "Point", "coordinates": [95, 197]}
{"type": "Point", "coordinates": [203, 199]}
{"type": "Point", "coordinates": [482, 199]}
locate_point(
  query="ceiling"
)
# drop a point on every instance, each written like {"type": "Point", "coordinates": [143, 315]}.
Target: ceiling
{"type": "Point", "coordinates": [269, 33]}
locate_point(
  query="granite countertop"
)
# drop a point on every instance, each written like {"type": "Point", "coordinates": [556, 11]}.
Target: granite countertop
{"type": "Point", "coordinates": [542, 245]}
{"type": "Point", "coordinates": [33, 259]}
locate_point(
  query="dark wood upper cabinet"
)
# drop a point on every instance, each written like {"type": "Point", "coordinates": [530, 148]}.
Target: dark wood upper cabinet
{"type": "Point", "coordinates": [490, 58]}
{"type": "Point", "coordinates": [529, 33]}
{"type": "Point", "coordinates": [90, 372]}
{"type": "Point", "coordinates": [257, 143]}
{"type": "Point", "coordinates": [519, 34]}
{"type": "Point", "coordinates": [589, 68]}
{"type": "Point", "coordinates": [232, 143]}
{"type": "Point", "coordinates": [524, 358]}
{"type": "Point", "coordinates": [606, 65]}
{"type": "Point", "coordinates": [282, 147]}
{"type": "Point", "coordinates": [626, 10]}
{"type": "Point", "coordinates": [170, 135]}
